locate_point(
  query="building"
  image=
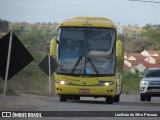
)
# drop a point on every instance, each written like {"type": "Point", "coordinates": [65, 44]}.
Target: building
{"type": "Point", "coordinates": [153, 59]}
{"type": "Point", "coordinates": [134, 56]}
{"type": "Point", "coordinates": [140, 61]}
{"type": "Point", "coordinates": [150, 53]}
{"type": "Point", "coordinates": [141, 67]}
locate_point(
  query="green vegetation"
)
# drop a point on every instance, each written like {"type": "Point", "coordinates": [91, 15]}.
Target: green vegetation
{"type": "Point", "coordinates": [152, 32]}
{"type": "Point", "coordinates": [4, 25]}
{"type": "Point", "coordinates": [131, 83]}
{"type": "Point", "coordinates": [139, 39]}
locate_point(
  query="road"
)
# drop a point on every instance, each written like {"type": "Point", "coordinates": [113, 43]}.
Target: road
{"type": "Point", "coordinates": [27, 102]}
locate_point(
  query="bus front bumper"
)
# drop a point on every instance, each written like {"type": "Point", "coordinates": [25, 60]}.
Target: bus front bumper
{"type": "Point", "coordinates": [85, 90]}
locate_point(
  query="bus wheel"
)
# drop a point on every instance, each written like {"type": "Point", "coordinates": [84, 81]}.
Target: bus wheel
{"type": "Point", "coordinates": [109, 100]}
{"type": "Point", "coordinates": [63, 98]}
{"type": "Point", "coordinates": [117, 98]}
{"type": "Point", "coordinates": [76, 98]}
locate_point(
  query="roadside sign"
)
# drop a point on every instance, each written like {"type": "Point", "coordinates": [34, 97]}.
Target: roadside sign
{"type": "Point", "coordinates": [18, 54]}
{"type": "Point", "coordinates": [13, 57]}
{"type": "Point", "coordinates": [48, 64]}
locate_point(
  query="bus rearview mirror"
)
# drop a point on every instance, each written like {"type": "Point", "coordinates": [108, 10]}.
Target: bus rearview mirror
{"type": "Point", "coordinates": [53, 48]}
{"type": "Point", "coordinates": [119, 48]}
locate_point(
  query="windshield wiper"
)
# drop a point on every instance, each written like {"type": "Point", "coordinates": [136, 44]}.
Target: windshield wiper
{"type": "Point", "coordinates": [90, 61]}
{"type": "Point", "coordinates": [94, 67]}
{"type": "Point", "coordinates": [78, 61]}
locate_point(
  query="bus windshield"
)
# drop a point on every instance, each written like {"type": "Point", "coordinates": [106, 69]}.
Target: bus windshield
{"type": "Point", "coordinates": [88, 51]}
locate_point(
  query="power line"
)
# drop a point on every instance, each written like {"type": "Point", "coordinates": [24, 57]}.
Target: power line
{"type": "Point", "coordinates": [145, 1]}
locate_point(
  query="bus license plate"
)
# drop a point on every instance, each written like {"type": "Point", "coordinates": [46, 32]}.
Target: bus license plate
{"type": "Point", "coordinates": [84, 90]}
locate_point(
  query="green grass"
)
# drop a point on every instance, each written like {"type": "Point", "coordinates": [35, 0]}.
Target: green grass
{"type": "Point", "coordinates": [31, 79]}
{"type": "Point", "coordinates": [131, 83]}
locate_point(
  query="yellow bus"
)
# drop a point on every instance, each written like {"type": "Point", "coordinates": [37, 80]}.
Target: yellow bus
{"type": "Point", "coordinates": [89, 59]}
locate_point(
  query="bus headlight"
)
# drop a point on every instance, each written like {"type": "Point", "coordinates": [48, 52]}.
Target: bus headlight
{"type": "Point", "coordinates": [106, 83]}
{"type": "Point", "coordinates": [62, 82]}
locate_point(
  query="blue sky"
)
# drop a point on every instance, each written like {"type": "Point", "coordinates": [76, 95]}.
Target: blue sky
{"type": "Point", "coordinates": [123, 11]}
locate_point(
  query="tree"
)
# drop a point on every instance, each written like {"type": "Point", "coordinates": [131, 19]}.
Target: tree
{"type": "Point", "coordinates": [4, 25]}
{"type": "Point", "coordinates": [152, 32]}
{"type": "Point", "coordinates": [32, 37]}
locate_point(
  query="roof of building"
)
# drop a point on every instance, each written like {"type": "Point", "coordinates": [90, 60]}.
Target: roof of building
{"type": "Point", "coordinates": [147, 65]}
{"type": "Point", "coordinates": [153, 51]}
{"type": "Point", "coordinates": [157, 58]}
{"type": "Point", "coordinates": [126, 67]}
{"type": "Point", "coordinates": [153, 66]}
{"type": "Point", "coordinates": [134, 62]}
{"type": "Point", "coordinates": [138, 56]}
{"type": "Point", "coordinates": [134, 54]}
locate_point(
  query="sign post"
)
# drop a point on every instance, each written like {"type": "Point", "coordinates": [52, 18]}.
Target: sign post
{"type": "Point", "coordinates": [7, 67]}
{"type": "Point", "coordinates": [50, 76]}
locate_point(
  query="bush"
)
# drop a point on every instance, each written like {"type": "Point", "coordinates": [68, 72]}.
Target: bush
{"type": "Point", "coordinates": [131, 83]}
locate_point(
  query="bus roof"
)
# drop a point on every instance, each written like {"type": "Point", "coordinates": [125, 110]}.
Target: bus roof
{"type": "Point", "coordinates": [88, 22]}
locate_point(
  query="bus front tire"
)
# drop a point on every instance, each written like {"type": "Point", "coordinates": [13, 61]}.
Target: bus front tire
{"type": "Point", "coordinates": [63, 98]}
{"type": "Point", "coordinates": [117, 98]}
{"type": "Point", "coordinates": [76, 98]}
{"type": "Point", "coordinates": [109, 100]}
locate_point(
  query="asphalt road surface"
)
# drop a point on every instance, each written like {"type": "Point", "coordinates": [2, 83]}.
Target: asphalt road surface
{"type": "Point", "coordinates": [27, 102]}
